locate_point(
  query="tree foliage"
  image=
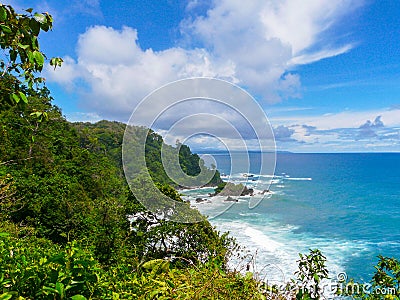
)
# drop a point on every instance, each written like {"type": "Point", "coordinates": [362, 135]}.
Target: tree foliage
{"type": "Point", "coordinates": [312, 270]}
{"type": "Point", "coordinates": [385, 283]}
{"type": "Point", "coordinates": [72, 196]}
{"type": "Point", "coordinates": [22, 59]}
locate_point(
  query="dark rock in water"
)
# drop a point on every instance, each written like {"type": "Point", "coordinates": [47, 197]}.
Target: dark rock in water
{"type": "Point", "coordinates": [248, 175]}
{"type": "Point", "coordinates": [246, 191]}
{"type": "Point", "coordinates": [231, 189]}
{"type": "Point", "coordinates": [264, 191]}
{"type": "Point", "coordinates": [230, 199]}
{"type": "Point", "coordinates": [198, 200]}
{"type": "Point", "coordinates": [251, 191]}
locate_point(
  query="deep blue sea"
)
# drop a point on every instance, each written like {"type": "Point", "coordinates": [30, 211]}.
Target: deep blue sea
{"type": "Point", "coordinates": [346, 205]}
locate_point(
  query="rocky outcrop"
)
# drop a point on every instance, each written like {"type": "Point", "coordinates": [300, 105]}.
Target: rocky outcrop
{"type": "Point", "coordinates": [231, 189]}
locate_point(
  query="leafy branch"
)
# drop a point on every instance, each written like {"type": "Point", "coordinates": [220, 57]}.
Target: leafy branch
{"type": "Point", "coordinates": [22, 60]}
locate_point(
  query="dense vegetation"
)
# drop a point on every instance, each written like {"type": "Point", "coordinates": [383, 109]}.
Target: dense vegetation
{"type": "Point", "coordinates": [106, 137]}
{"type": "Point", "coordinates": [70, 227]}
{"type": "Point", "coordinates": [64, 197]}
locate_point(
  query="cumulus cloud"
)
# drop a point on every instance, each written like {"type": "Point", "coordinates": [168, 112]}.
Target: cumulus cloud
{"type": "Point", "coordinates": [255, 45]}
{"type": "Point", "coordinates": [283, 133]}
{"type": "Point", "coordinates": [112, 73]}
{"type": "Point", "coordinates": [309, 129]}
{"type": "Point", "coordinates": [300, 23]}
{"type": "Point", "coordinates": [343, 119]}
{"type": "Point", "coordinates": [68, 74]}
{"type": "Point", "coordinates": [265, 38]}
{"type": "Point", "coordinates": [338, 131]}
{"type": "Point", "coordinates": [84, 117]}
{"type": "Point", "coordinates": [368, 129]}
{"type": "Point", "coordinates": [377, 123]}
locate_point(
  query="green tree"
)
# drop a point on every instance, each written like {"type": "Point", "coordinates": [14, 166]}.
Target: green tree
{"type": "Point", "coordinates": [22, 59]}
{"type": "Point", "coordinates": [385, 283]}
{"type": "Point", "coordinates": [312, 270]}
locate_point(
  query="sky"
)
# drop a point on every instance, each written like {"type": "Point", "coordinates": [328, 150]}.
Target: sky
{"type": "Point", "coordinates": [325, 72]}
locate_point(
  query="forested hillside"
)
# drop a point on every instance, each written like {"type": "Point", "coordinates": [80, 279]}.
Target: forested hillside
{"type": "Point", "coordinates": [62, 184]}
{"type": "Point", "coordinates": [107, 137]}
{"type": "Point", "coordinates": [68, 178]}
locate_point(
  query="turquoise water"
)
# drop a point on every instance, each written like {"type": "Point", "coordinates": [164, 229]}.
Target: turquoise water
{"type": "Point", "coordinates": [347, 205]}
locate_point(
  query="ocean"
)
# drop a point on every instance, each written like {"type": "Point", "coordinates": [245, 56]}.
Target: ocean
{"type": "Point", "coordinates": [346, 205]}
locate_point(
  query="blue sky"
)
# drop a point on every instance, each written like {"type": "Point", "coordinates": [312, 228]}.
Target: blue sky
{"type": "Point", "coordinates": [326, 72]}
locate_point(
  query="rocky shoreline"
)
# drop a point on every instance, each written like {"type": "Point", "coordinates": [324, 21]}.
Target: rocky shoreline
{"type": "Point", "coordinates": [231, 191]}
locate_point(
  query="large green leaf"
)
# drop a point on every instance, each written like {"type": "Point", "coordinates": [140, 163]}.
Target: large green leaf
{"type": "Point", "coordinates": [3, 14]}
{"type": "Point", "coordinates": [16, 98]}
{"type": "Point", "coordinates": [5, 28]}
{"type": "Point", "coordinates": [40, 18]}
{"type": "Point", "coordinates": [35, 26]}
{"type": "Point", "coordinates": [23, 97]}
{"type": "Point", "coordinates": [6, 296]}
{"type": "Point", "coordinates": [78, 297]}
{"type": "Point", "coordinates": [151, 264]}
{"type": "Point", "coordinates": [60, 288]}
{"type": "Point", "coordinates": [39, 58]}
{"type": "Point", "coordinates": [23, 46]}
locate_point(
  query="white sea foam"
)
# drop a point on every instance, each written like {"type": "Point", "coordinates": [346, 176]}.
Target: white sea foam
{"type": "Point", "coordinates": [269, 176]}
{"type": "Point", "coordinates": [262, 240]}
{"type": "Point", "coordinates": [274, 248]}
{"type": "Point", "coordinates": [249, 214]}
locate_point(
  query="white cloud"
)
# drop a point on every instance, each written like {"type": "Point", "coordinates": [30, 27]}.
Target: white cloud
{"type": "Point", "coordinates": [66, 77]}
{"type": "Point", "coordinates": [344, 119]}
{"type": "Point", "coordinates": [89, 7]}
{"type": "Point", "coordinates": [351, 119]}
{"type": "Point", "coordinates": [339, 131]}
{"type": "Point", "coordinates": [377, 123]}
{"type": "Point", "coordinates": [255, 45]}
{"type": "Point", "coordinates": [312, 57]}
{"type": "Point", "coordinates": [283, 133]}
{"type": "Point", "coordinates": [265, 39]}
{"type": "Point", "coordinates": [300, 23]}
{"type": "Point", "coordinates": [112, 73]}
{"type": "Point", "coordinates": [194, 5]}
{"type": "Point", "coordinates": [84, 117]}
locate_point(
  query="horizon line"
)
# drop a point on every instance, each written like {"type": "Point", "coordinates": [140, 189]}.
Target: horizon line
{"type": "Point", "coordinates": [292, 152]}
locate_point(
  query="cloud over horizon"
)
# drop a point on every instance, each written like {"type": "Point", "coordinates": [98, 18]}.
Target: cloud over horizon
{"type": "Point", "coordinates": [342, 131]}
